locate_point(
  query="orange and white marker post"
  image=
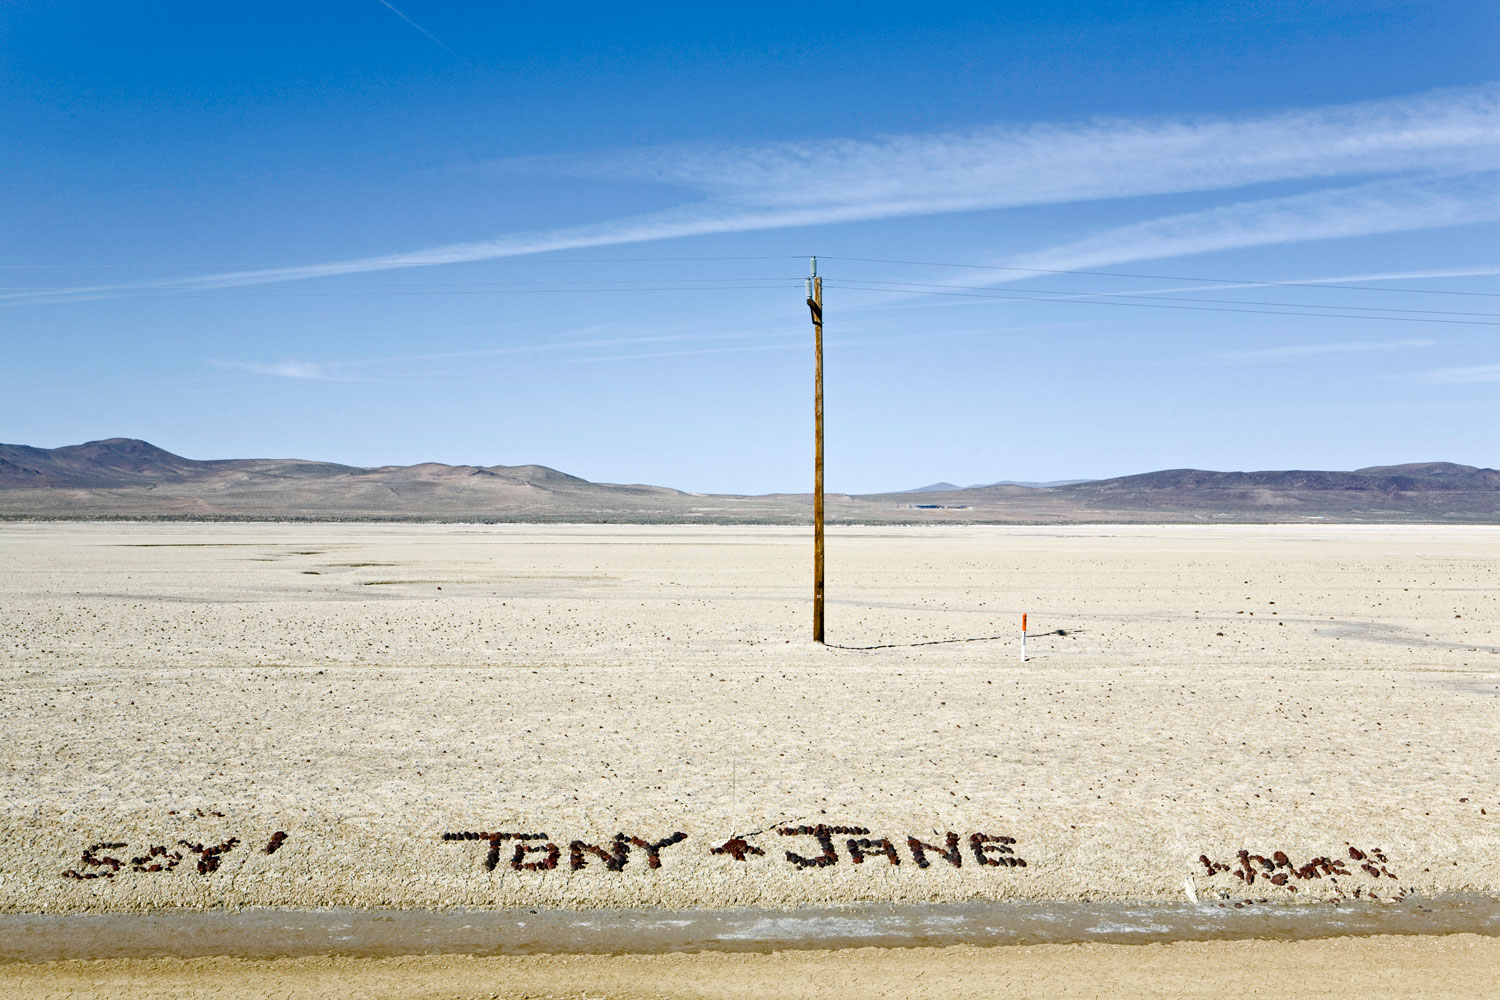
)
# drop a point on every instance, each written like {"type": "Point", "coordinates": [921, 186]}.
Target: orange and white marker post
{"type": "Point", "coordinates": [1023, 637]}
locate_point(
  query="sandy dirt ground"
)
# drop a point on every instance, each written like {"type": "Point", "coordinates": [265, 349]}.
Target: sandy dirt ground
{"type": "Point", "coordinates": [1456, 966]}
{"type": "Point", "coordinates": [174, 696]}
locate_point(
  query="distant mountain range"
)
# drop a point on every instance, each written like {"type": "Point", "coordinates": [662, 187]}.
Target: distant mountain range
{"type": "Point", "coordinates": [130, 479]}
{"type": "Point", "coordinates": [946, 487]}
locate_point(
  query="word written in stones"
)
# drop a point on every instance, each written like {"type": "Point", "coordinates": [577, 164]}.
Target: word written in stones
{"type": "Point", "coordinates": [533, 852]}
{"type": "Point", "coordinates": [97, 862]}
{"type": "Point", "coordinates": [989, 851]}
{"type": "Point", "coordinates": [525, 852]}
{"type": "Point", "coordinates": [1281, 871]}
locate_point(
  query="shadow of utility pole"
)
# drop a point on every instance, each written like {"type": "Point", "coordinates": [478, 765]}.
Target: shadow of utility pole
{"type": "Point", "coordinates": [944, 642]}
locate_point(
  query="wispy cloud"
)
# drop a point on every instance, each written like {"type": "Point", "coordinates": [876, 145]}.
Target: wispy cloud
{"type": "Point", "coordinates": [1296, 351]}
{"type": "Point", "coordinates": [1453, 376]}
{"type": "Point", "coordinates": [1432, 141]}
{"type": "Point", "coordinates": [345, 371]}
{"type": "Point", "coordinates": [1006, 166]}
{"type": "Point", "coordinates": [1441, 272]}
{"type": "Point", "coordinates": [672, 224]}
{"type": "Point", "coordinates": [307, 370]}
{"type": "Point", "coordinates": [1384, 206]}
{"type": "Point", "coordinates": [1371, 280]}
{"type": "Point", "coordinates": [902, 299]}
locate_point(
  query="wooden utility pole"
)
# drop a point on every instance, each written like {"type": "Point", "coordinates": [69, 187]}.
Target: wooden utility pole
{"type": "Point", "coordinates": [815, 306]}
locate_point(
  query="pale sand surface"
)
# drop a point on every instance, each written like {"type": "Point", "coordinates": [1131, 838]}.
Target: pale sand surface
{"type": "Point", "coordinates": [586, 681]}
{"type": "Point", "coordinates": [1456, 966]}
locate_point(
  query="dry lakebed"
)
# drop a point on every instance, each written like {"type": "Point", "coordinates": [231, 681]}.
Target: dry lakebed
{"type": "Point", "coordinates": [430, 719]}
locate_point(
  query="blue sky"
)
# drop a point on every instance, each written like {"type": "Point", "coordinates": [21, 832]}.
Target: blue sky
{"type": "Point", "coordinates": [496, 234]}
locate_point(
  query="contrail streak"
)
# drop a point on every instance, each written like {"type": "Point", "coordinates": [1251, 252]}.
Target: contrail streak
{"type": "Point", "coordinates": [431, 37]}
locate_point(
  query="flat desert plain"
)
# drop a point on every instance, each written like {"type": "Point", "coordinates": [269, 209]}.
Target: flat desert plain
{"type": "Point", "coordinates": [216, 716]}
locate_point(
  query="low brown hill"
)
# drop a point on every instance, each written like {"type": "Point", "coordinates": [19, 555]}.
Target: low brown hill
{"type": "Point", "coordinates": [1435, 472]}
{"type": "Point", "coordinates": [1420, 477]}
{"type": "Point", "coordinates": [112, 462]}
{"type": "Point", "coordinates": [123, 477]}
{"type": "Point", "coordinates": [1432, 491]}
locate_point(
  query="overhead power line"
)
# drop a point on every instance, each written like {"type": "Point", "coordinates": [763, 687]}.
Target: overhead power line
{"type": "Point", "coordinates": [239, 292]}
{"type": "Point", "coordinates": [921, 287]}
{"type": "Point", "coordinates": [1091, 301]}
{"type": "Point", "coordinates": [413, 262]}
{"type": "Point", "coordinates": [1163, 277]}
{"type": "Point", "coordinates": [357, 286]}
{"type": "Point", "coordinates": [337, 286]}
{"type": "Point", "coordinates": [551, 261]}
